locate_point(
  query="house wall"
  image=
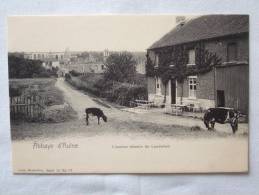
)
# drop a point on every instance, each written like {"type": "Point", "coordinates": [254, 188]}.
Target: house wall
{"type": "Point", "coordinates": [204, 93]}
{"type": "Point", "coordinates": [152, 55]}
{"type": "Point", "coordinates": [151, 88]}
{"type": "Point", "coordinates": [235, 86]}
{"type": "Point", "coordinates": [205, 87]}
{"type": "Point", "coordinates": [219, 46]}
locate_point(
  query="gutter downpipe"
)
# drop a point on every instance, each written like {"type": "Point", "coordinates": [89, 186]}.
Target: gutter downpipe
{"type": "Point", "coordinates": [215, 87]}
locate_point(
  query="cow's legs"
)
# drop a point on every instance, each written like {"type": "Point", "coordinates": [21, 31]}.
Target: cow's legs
{"type": "Point", "coordinates": [212, 124]}
{"type": "Point", "coordinates": [86, 119]}
{"type": "Point", "coordinates": [207, 124]}
{"type": "Point", "coordinates": [234, 124]}
{"type": "Point", "coordinates": [98, 120]}
{"type": "Point", "coordinates": [234, 127]}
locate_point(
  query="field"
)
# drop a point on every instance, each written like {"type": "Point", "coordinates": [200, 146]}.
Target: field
{"type": "Point", "coordinates": [43, 87]}
{"type": "Point", "coordinates": [56, 109]}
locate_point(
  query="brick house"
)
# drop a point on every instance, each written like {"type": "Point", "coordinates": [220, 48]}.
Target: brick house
{"type": "Point", "coordinates": [202, 62]}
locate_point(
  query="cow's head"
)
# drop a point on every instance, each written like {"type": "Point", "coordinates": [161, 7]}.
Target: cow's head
{"type": "Point", "coordinates": [104, 118]}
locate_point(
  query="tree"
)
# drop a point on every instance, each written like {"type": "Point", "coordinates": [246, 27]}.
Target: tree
{"type": "Point", "coordinates": [26, 68]}
{"type": "Point", "coordinates": [120, 67]}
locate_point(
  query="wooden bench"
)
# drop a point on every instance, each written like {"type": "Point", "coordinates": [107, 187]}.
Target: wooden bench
{"type": "Point", "coordinates": [143, 104]}
{"type": "Point", "coordinates": [194, 107]}
{"type": "Point", "coordinates": [177, 109]}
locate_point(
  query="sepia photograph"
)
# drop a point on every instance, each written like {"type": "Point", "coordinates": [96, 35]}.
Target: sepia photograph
{"type": "Point", "coordinates": [129, 93]}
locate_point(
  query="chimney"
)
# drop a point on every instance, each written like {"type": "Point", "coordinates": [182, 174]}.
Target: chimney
{"type": "Point", "coordinates": [180, 20]}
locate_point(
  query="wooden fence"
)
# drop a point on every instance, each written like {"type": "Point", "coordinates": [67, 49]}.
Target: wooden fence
{"type": "Point", "coordinates": [27, 108]}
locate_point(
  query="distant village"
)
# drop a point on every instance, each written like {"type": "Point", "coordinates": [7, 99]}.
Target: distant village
{"type": "Point", "coordinates": [82, 62]}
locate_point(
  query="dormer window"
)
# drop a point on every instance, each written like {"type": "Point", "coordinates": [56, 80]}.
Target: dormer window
{"type": "Point", "coordinates": [191, 57]}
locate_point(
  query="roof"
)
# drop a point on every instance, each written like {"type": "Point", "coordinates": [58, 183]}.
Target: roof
{"type": "Point", "coordinates": [204, 27]}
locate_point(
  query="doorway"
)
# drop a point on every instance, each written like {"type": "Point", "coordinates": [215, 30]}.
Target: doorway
{"type": "Point", "coordinates": [220, 98]}
{"type": "Point", "coordinates": [173, 91]}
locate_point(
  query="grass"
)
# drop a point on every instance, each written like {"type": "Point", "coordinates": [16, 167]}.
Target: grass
{"type": "Point", "coordinates": [114, 127]}
{"type": "Point", "coordinates": [42, 87]}
{"type": "Point", "coordinates": [45, 88]}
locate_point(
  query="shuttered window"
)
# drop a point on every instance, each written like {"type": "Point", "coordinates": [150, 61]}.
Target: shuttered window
{"type": "Point", "coordinates": [191, 59]}
{"type": "Point", "coordinates": [156, 60]}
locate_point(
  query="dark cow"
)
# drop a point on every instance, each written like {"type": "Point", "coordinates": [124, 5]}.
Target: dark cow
{"type": "Point", "coordinates": [95, 112]}
{"type": "Point", "coordinates": [221, 115]}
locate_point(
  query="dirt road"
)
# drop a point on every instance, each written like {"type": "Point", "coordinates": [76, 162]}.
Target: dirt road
{"type": "Point", "coordinates": [75, 98]}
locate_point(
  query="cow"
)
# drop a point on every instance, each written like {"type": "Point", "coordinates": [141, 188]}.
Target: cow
{"type": "Point", "coordinates": [95, 112]}
{"type": "Point", "coordinates": [221, 115]}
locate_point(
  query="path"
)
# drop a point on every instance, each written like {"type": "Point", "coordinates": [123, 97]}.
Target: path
{"type": "Point", "coordinates": [75, 98]}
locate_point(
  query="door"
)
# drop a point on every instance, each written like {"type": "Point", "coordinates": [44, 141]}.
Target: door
{"type": "Point", "coordinates": [220, 98]}
{"type": "Point", "coordinates": [173, 91]}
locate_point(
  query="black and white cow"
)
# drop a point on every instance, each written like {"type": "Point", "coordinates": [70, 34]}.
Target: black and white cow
{"type": "Point", "coordinates": [221, 115]}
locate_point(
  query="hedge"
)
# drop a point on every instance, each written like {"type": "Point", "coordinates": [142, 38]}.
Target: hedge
{"type": "Point", "coordinates": [120, 93]}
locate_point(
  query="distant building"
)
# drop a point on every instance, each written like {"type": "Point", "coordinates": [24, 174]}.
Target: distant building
{"type": "Point", "coordinates": [88, 62]}
{"type": "Point", "coordinates": [45, 56]}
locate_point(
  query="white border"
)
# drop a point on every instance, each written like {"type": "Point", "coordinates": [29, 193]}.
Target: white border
{"type": "Point", "coordinates": [130, 184]}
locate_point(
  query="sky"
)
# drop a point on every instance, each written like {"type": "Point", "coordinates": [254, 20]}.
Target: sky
{"type": "Point", "coordinates": [86, 33]}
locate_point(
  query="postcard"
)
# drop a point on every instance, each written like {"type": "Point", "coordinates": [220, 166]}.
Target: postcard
{"type": "Point", "coordinates": [129, 93]}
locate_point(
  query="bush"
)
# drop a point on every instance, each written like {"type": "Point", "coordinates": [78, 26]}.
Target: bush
{"type": "Point", "coordinates": [121, 93]}
{"type": "Point", "coordinates": [59, 113]}
{"type": "Point", "coordinates": [14, 91]}
{"type": "Point", "coordinates": [67, 77]}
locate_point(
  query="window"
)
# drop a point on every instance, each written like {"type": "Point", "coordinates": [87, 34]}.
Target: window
{"type": "Point", "coordinates": [192, 86]}
{"type": "Point", "coordinates": [191, 57]}
{"type": "Point", "coordinates": [156, 60]}
{"type": "Point", "coordinates": [232, 52]}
